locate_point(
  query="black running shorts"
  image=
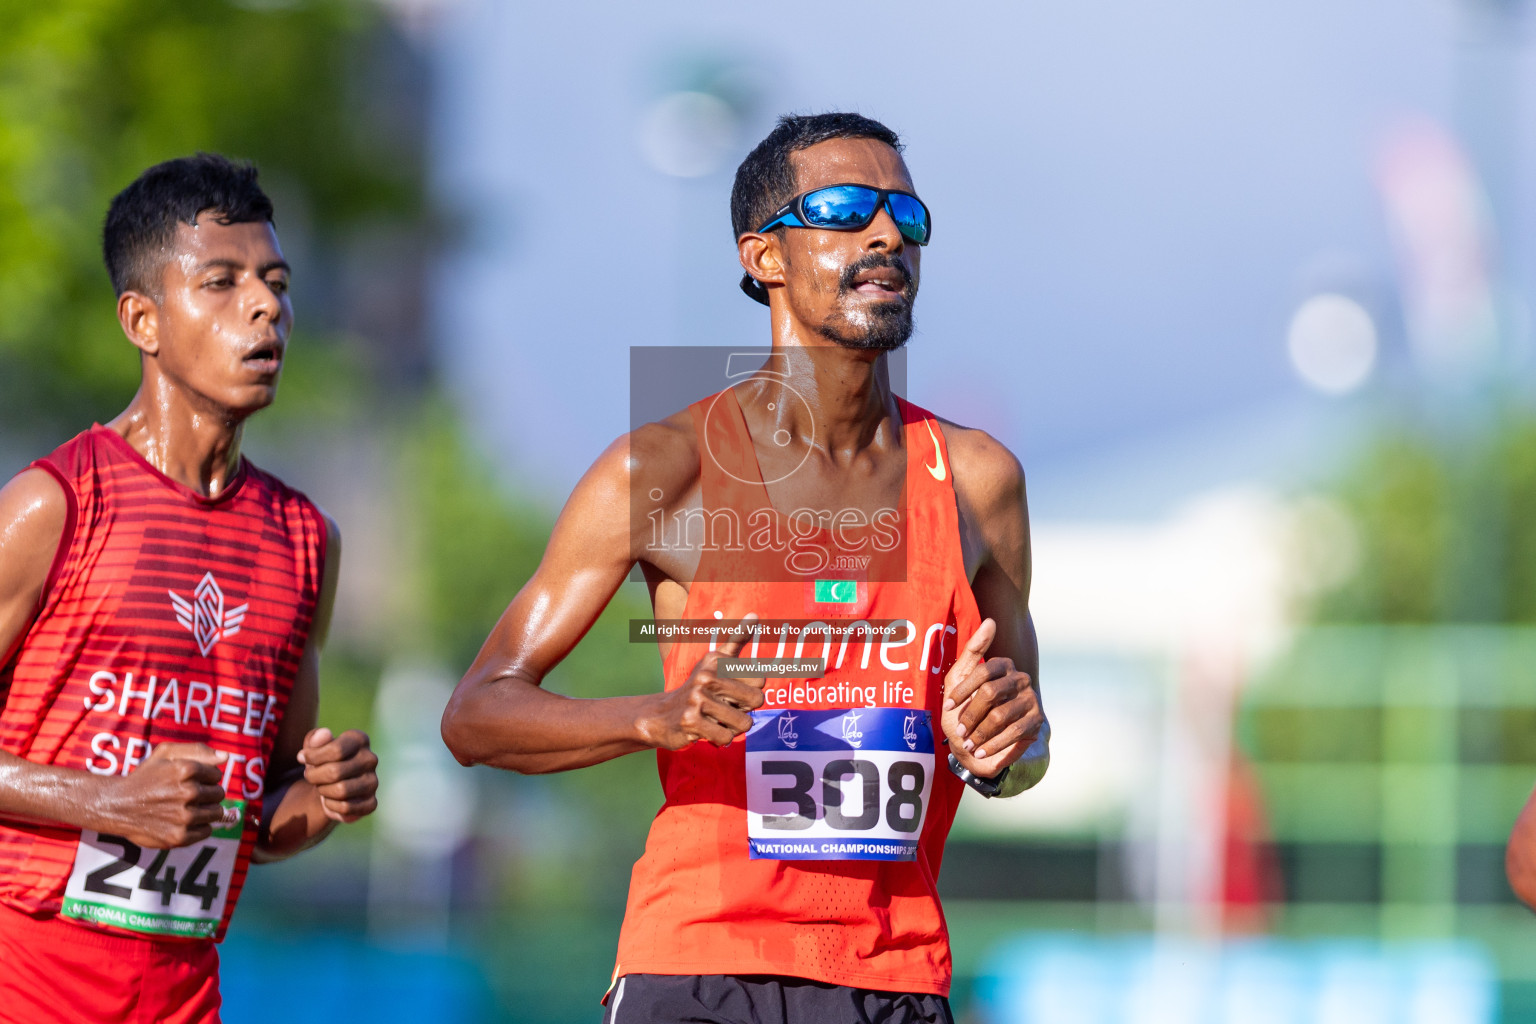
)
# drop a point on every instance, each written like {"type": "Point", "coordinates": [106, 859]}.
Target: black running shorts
{"type": "Point", "coordinates": [763, 999]}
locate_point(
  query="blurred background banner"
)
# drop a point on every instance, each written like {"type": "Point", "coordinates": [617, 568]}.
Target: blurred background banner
{"type": "Point", "coordinates": [1247, 287]}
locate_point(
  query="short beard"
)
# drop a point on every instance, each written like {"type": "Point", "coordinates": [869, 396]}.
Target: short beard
{"type": "Point", "coordinates": [886, 325]}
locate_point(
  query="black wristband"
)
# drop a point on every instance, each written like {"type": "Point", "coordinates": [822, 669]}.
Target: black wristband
{"type": "Point", "coordinates": [986, 787]}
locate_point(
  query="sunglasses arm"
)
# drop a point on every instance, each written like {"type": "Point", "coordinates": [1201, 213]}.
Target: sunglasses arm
{"type": "Point", "coordinates": [783, 220]}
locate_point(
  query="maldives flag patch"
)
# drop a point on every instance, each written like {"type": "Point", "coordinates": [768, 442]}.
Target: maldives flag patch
{"type": "Point", "coordinates": [836, 592]}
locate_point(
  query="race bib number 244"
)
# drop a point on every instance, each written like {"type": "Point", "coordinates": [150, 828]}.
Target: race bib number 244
{"type": "Point", "coordinates": [838, 785]}
{"type": "Point", "coordinates": [178, 892]}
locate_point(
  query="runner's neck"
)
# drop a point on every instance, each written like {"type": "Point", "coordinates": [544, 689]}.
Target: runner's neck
{"type": "Point", "coordinates": [847, 402]}
{"type": "Point", "coordinates": [183, 437]}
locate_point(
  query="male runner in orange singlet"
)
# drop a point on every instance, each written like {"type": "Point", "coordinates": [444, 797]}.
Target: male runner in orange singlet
{"type": "Point", "coordinates": [790, 876]}
{"type": "Point", "coordinates": [162, 607]}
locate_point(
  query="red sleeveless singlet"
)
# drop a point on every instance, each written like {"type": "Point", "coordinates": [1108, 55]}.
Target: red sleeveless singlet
{"type": "Point", "coordinates": [167, 616]}
{"type": "Point", "coordinates": [811, 846]}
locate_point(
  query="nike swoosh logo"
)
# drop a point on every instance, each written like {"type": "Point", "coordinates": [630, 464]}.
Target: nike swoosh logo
{"type": "Point", "coordinates": [938, 471]}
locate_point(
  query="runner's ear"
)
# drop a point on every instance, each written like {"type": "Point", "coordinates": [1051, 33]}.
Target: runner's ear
{"type": "Point", "coordinates": [759, 256]}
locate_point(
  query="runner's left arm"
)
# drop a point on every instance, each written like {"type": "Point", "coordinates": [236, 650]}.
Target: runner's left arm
{"type": "Point", "coordinates": [317, 779]}
{"type": "Point", "coordinates": [993, 717]}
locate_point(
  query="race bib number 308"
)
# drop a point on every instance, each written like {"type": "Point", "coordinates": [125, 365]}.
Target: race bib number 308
{"type": "Point", "coordinates": [838, 785]}
{"type": "Point", "coordinates": [178, 892]}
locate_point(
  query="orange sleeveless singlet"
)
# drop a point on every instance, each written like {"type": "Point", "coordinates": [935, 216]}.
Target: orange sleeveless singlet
{"type": "Point", "coordinates": [811, 846]}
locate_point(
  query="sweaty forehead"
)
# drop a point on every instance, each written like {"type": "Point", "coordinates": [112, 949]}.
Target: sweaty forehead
{"type": "Point", "coordinates": [840, 161]}
{"type": "Point", "coordinates": [249, 244]}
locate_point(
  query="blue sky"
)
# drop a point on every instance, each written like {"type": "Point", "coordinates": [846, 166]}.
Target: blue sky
{"type": "Point", "coordinates": [1129, 202]}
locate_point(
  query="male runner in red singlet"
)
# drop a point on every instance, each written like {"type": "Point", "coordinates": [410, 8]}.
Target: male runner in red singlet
{"type": "Point", "coordinates": [162, 606]}
{"type": "Point", "coordinates": [790, 875]}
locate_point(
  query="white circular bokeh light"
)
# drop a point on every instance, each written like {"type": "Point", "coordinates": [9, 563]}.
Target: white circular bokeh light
{"type": "Point", "coordinates": [687, 134]}
{"type": "Point", "coordinates": [1332, 343]}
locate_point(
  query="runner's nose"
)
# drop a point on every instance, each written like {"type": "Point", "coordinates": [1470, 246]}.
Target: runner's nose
{"type": "Point", "coordinates": [882, 233]}
{"type": "Point", "coordinates": [262, 301]}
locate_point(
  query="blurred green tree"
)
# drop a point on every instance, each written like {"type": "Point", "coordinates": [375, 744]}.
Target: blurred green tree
{"type": "Point", "coordinates": [1395, 493]}
{"type": "Point", "coordinates": [477, 545]}
{"type": "Point", "coordinates": [94, 91]}
{"type": "Point", "coordinates": [1444, 523]}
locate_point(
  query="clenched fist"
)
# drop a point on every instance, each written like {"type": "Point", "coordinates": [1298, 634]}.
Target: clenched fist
{"type": "Point", "coordinates": [340, 769]}
{"type": "Point", "coordinates": [173, 799]}
{"type": "Point", "coordinates": [992, 710]}
{"type": "Point", "coordinates": [709, 706]}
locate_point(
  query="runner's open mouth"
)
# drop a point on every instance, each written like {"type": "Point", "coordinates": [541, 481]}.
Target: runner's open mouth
{"type": "Point", "coordinates": [270, 354]}
{"type": "Point", "coordinates": [880, 281]}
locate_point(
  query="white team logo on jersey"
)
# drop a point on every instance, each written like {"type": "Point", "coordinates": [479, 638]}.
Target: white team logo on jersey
{"type": "Point", "coordinates": [787, 734]}
{"type": "Point", "coordinates": [205, 616]}
{"type": "Point", "coordinates": [909, 730]}
{"type": "Point", "coordinates": [852, 735]}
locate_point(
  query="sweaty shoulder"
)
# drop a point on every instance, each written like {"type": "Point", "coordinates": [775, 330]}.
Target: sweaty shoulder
{"type": "Point", "coordinates": [34, 507]}
{"type": "Point", "coordinates": [989, 480]}
{"type": "Point", "coordinates": [989, 493]}
{"type": "Point", "coordinates": [652, 468]}
{"type": "Point", "coordinates": [34, 513]}
{"type": "Point", "coordinates": [657, 457]}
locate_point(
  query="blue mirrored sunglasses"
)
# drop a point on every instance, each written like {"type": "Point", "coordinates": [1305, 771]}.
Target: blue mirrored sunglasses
{"type": "Point", "coordinates": [847, 207]}
{"type": "Point", "coordinates": [851, 207]}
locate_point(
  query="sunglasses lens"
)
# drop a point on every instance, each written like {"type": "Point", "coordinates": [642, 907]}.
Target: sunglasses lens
{"type": "Point", "coordinates": [911, 217]}
{"type": "Point", "coordinates": [841, 206]}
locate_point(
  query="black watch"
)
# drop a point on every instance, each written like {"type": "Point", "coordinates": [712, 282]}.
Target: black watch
{"type": "Point", "coordinates": [986, 787]}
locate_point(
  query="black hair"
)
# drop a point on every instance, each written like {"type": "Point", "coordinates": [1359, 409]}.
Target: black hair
{"type": "Point", "coordinates": [141, 222]}
{"type": "Point", "coordinates": [765, 180]}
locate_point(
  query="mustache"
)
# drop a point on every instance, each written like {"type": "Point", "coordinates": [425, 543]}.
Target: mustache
{"type": "Point", "coordinates": [873, 261]}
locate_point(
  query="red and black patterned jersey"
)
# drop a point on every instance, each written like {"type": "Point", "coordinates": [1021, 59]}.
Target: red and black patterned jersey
{"type": "Point", "coordinates": [167, 616]}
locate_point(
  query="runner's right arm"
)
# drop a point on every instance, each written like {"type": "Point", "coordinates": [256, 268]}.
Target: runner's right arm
{"type": "Point", "coordinates": [174, 797]}
{"type": "Point", "coordinates": [500, 715]}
